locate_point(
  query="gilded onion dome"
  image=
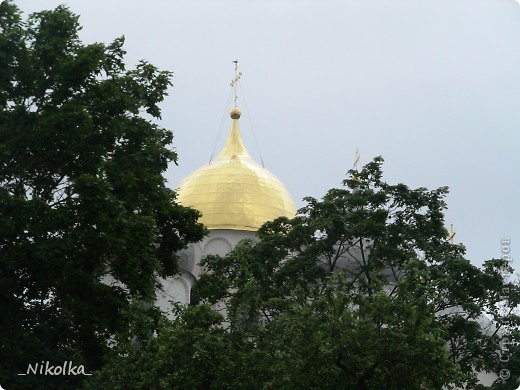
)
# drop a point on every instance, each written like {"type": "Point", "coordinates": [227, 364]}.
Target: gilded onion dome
{"type": "Point", "coordinates": [234, 191]}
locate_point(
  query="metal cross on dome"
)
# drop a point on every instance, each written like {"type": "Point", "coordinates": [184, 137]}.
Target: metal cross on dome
{"type": "Point", "coordinates": [234, 82]}
{"type": "Point", "coordinates": [451, 236]}
{"type": "Point", "coordinates": [355, 167]}
{"type": "Point", "coordinates": [356, 160]}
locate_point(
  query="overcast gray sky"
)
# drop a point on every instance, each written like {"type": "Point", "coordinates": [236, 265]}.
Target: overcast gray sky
{"type": "Point", "coordinates": [431, 85]}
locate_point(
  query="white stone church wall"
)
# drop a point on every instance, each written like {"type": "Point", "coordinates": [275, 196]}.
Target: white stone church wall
{"type": "Point", "coordinates": [178, 288]}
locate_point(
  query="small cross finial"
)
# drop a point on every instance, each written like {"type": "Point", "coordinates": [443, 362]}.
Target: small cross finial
{"type": "Point", "coordinates": [234, 82]}
{"type": "Point", "coordinates": [451, 236]}
{"type": "Point", "coordinates": [356, 159]}
{"type": "Point", "coordinates": [355, 167]}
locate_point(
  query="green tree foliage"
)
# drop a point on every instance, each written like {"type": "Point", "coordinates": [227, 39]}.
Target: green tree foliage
{"type": "Point", "coordinates": [86, 222]}
{"type": "Point", "coordinates": [363, 286]}
{"type": "Point", "coordinates": [362, 290]}
{"type": "Point", "coordinates": [194, 351]}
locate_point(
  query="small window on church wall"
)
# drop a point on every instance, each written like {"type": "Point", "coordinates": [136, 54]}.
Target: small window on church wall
{"type": "Point", "coordinates": [194, 299]}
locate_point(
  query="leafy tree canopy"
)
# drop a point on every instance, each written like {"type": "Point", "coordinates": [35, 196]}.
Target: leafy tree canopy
{"type": "Point", "coordinates": [86, 222]}
{"type": "Point", "coordinates": [361, 290]}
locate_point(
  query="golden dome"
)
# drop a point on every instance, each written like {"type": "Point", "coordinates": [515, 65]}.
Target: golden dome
{"type": "Point", "coordinates": [234, 191]}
